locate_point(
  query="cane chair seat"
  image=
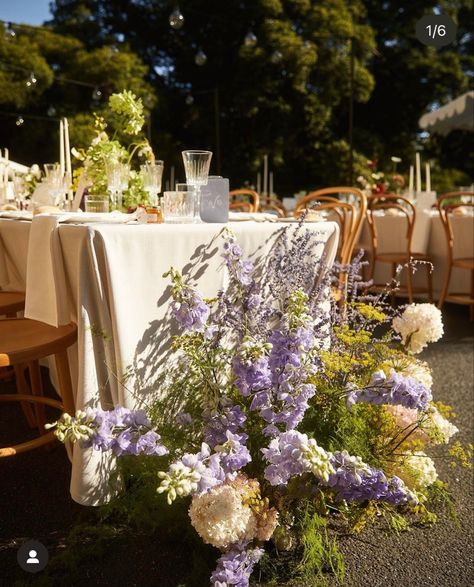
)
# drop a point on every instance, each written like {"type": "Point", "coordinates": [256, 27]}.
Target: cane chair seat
{"type": "Point", "coordinates": [23, 343]}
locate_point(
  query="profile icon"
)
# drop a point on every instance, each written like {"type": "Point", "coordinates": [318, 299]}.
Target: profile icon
{"type": "Point", "coordinates": [32, 560]}
{"type": "Point", "coordinates": [32, 556]}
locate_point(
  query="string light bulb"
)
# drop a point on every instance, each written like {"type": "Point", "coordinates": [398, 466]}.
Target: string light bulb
{"type": "Point", "coordinates": [10, 31]}
{"type": "Point", "coordinates": [200, 58]}
{"type": "Point", "coordinates": [276, 56]}
{"type": "Point", "coordinates": [176, 19]}
{"type": "Point", "coordinates": [31, 81]}
{"type": "Point", "coordinates": [96, 94]}
{"type": "Point", "coordinates": [51, 111]}
{"type": "Point", "coordinates": [250, 39]}
{"type": "Point", "coordinates": [189, 100]}
{"type": "Point", "coordinates": [19, 121]}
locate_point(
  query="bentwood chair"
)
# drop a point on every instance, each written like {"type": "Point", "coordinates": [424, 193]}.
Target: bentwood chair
{"type": "Point", "coordinates": [246, 196]}
{"type": "Point", "coordinates": [404, 208]}
{"type": "Point", "coordinates": [24, 342]}
{"type": "Point", "coordinates": [449, 205]}
{"type": "Point", "coordinates": [10, 304]}
{"type": "Point", "coordinates": [272, 204]}
{"type": "Point", "coordinates": [349, 214]}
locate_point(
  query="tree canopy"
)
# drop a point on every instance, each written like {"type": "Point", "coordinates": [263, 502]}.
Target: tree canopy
{"type": "Point", "coordinates": [286, 91]}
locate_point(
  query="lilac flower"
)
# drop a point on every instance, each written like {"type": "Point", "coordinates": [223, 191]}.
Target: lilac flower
{"type": "Point", "coordinates": [233, 452]}
{"type": "Point", "coordinates": [235, 567]}
{"type": "Point", "coordinates": [190, 310]}
{"type": "Point", "coordinates": [397, 389]}
{"type": "Point", "coordinates": [227, 417]}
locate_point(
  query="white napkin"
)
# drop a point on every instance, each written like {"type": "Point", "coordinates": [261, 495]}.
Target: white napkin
{"type": "Point", "coordinates": [46, 292]}
{"type": "Point", "coordinates": [255, 216]}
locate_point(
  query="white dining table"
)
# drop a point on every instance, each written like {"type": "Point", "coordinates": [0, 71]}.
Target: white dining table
{"type": "Point", "coordinates": [108, 279]}
{"type": "Point", "coordinates": [428, 238]}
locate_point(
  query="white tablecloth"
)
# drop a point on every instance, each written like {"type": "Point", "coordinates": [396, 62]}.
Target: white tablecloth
{"type": "Point", "coordinates": [429, 238]}
{"type": "Point", "coordinates": [113, 288]}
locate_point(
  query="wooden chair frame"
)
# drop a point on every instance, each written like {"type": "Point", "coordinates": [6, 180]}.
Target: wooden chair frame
{"type": "Point", "coordinates": [461, 263]}
{"type": "Point", "coordinates": [252, 194]}
{"type": "Point", "coordinates": [407, 209]}
{"type": "Point", "coordinates": [273, 204]}
{"type": "Point", "coordinates": [347, 213]}
{"type": "Point", "coordinates": [50, 342]}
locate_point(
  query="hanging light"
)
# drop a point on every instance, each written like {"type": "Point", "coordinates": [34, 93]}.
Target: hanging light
{"type": "Point", "coordinates": [31, 81]}
{"type": "Point", "coordinates": [19, 121]}
{"type": "Point", "coordinates": [10, 31]}
{"type": "Point", "coordinates": [250, 39]}
{"type": "Point", "coordinates": [276, 56]}
{"type": "Point", "coordinates": [96, 94]}
{"type": "Point", "coordinates": [189, 100]}
{"type": "Point", "coordinates": [176, 19]}
{"type": "Point", "coordinates": [51, 111]}
{"type": "Point", "coordinates": [200, 58]}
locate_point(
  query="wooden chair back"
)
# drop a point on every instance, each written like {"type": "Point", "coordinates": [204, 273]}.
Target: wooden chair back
{"type": "Point", "coordinates": [272, 204]}
{"type": "Point", "coordinates": [401, 205]}
{"type": "Point", "coordinates": [240, 207]}
{"type": "Point", "coordinates": [349, 216]}
{"type": "Point", "coordinates": [252, 197]}
{"type": "Point", "coordinates": [446, 208]}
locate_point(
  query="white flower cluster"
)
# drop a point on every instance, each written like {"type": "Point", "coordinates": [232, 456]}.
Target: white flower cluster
{"type": "Point", "coordinates": [220, 517]}
{"type": "Point", "coordinates": [439, 428]}
{"type": "Point", "coordinates": [418, 325]}
{"type": "Point", "coordinates": [318, 459]}
{"type": "Point", "coordinates": [420, 371]}
{"type": "Point", "coordinates": [180, 480]}
{"type": "Point", "coordinates": [421, 469]}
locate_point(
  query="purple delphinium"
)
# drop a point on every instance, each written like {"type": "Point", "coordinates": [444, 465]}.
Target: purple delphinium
{"type": "Point", "coordinates": [190, 311]}
{"type": "Point", "coordinates": [207, 465]}
{"type": "Point", "coordinates": [397, 389]}
{"type": "Point", "coordinates": [226, 417]}
{"type": "Point", "coordinates": [285, 455]}
{"type": "Point", "coordinates": [355, 481]}
{"type": "Point", "coordinates": [234, 455]}
{"type": "Point", "coordinates": [251, 375]}
{"type": "Point", "coordinates": [235, 567]}
{"type": "Point", "coordinates": [239, 269]}
{"type": "Point", "coordinates": [123, 431]}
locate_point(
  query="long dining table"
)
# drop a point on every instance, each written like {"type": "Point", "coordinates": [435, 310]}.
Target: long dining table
{"type": "Point", "coordinates": [108, 277]}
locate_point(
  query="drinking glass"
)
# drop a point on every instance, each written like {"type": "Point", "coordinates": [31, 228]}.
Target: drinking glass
{"type": "Point", "coordinates": [152, 174]}
{"type": "Point", "coordinates": [117, 181]}
{"type": "Point", "coordinates": [97, 204]}
{"type": "Point", "coordinates": [58, 184]}
{"type": "Point", "coordinates": [196, 167]}
{"type": "Point", "coordinates": [178, 206]}
{"type": "Point", "coordinates": [51, 169]}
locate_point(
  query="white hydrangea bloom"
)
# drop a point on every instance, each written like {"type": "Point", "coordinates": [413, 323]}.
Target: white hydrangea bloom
{"type": "Point", "coordinates": [421, 469]}
{"type": "Point", "coordinates": [420, 371]}
{"type": "Point", "coordinates": [220, 517]}
{"type": "Point", "coordinates": [418, 325]}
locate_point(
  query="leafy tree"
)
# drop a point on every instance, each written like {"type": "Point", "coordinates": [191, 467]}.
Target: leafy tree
{"type": "Point", "coordinates": [66, 74]}
{"type": "Point", "coordinates": [279, 95]}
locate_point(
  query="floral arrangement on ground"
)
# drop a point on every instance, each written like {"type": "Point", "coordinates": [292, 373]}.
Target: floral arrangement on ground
{"type": "Point", "coordinates": [285, 409]}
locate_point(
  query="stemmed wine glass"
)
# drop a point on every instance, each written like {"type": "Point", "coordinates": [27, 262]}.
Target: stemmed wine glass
{"type": "Point", "coordinates": [58, 183]}
{"type": "Point", "coordinates": [117, 181]}
{"type": "Point", "coordinates": [196, 167]}
{"type": "Point", "coordinates": [152, 174]}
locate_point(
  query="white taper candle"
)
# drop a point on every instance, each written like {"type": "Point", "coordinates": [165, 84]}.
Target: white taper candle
{"type": "Point", "coordinates": [428, 177]}
{"type": "Point", "coordinates": [61, 147]}
{"type": "Point", "coordinates": [265, 175]}
{"type": "Point", "coordinates": [418, 173]}
{"type": "Point", "coordinates": [410, 181]}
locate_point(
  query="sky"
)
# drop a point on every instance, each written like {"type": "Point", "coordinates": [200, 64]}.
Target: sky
{"type": "Point", "coordinates": [25, 11]}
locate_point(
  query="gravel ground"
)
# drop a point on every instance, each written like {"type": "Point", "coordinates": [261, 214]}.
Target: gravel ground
{"type": "Point", "coordinates": [35, 504]}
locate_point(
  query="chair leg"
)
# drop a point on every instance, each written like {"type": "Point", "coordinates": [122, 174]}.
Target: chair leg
{"type": "Point", "coordinates": [22, 389]}
{"type": "Point", "coordinates": [37, 389]}
{"type": "Point", "coordinates": [430, 282]}
{"type": "Point", "coordinates": [64, 377]}
{"type": "Point", "coordinates": [471, 305]}
{"type": "Point", "coordinates": [444, 291]}
{"type": "Point", "coordinates": [409, 282]}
